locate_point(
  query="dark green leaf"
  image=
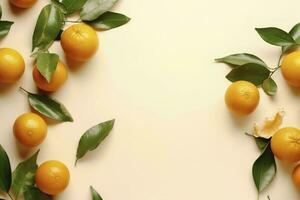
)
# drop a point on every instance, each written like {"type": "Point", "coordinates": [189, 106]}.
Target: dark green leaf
{"type": "Point", "coordinates": [94, 8]}
{"type": "Point", "coordinates": [269, 86]}
{"type": "Point", "coordinates": [251, 72]}
{"type": "Point", "coordinates": [5, 171]}
{"type": "Point", "coordinates": [264, 169]}
{"type": "Point", "coordinates": [109, 20]}
{"type": "Point", "coordinates": [48, 26]}
{"type": "Point", "coordinates": [59, 35]}
{"type": "Point", "coordinates": [73, 5]}
{"type": "Point", "coordinates": [95, 194]}
{"type": "Point", "coordinates": [5, 28]}
{"type": "Point", "coordinates": [275, 36]}
{"type": "Point", "coordinates": [32, 193]}
{"type": "Point", "coordinates": [295, 33]}
{"type": "Point", "coordinates": [49, 107]}
{"type": "Point", "coordinates": [24, 175]}
{"type": "Point", "coordinates": [46, 64]}
{"type": "Point", "coordinates": [261, 143]}
{"type": "Point", "coordinates": [241, 59]}
{"type": "Point", "coordinates": [92, 138]}
{"type": "Point", "coordinates": [0, 11]}
{"type": "Point", "coordinates": [59, 5]}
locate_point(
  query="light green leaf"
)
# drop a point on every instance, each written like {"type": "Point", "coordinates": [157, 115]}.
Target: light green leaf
{"type": "Point", "coordinates": [251, 72]}
{"type": "Point", "coordinates": [5, 28]}
{"type": "Point", "coordinates": [46, 64]}
{"type": "Point", "coordinates": [275, 36]}
{"type": "Point", "coordinates": [5, 171]}
{"type": "Point", "coordinates": [73, 5]}
{"type": "Point", "coordinates": [49, 107]}
{"type": "Point", "coordinates": [24, 175]}
{"type": "Point", "coordinates": [295, 33]}
{"type": "Point", "coordinates": [241, 59]}
{"type": "Point", "coordinates": [48, 26]}
{"type": "Point", "coordinates": [92, 138]}
{"type": "Point", "coordinates": [264, 169]}
{"type": "Point", "coordinates": [269, 86]}
{"type": "Point", "coordinates": [109, 20]}
{"type": "Point", "coordinates": [32, 193]}
{"type": "Point", "coordinates": [94, 8]}
{"type": "Point", "coordinates": [95, 194]}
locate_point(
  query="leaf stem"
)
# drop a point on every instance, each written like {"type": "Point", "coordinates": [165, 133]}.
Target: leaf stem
{"type": "Point", "coordinates": [23, 90]}
{"type": "Point", "coordinates": [269, 197]}
{"type": "Point", "coordinates": [278, 65]}
{"type": "Point", "coordinates": [10, 196]}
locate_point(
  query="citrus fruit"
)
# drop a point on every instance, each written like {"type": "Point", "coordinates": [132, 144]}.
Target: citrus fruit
{"type": "Point", "coordinates": [52, 177]}
{"type": "Point", "coordinates": [285, 144]}
{"type": "Point", "coordinates": [79, 42]}
{"type": "Point", "coordinates": [30, 129]}
{"type": "Point", "coordinates": [290, 68]}
{"type": "Point", "coordinates": [59, 76]}
{"type": "Point", "coordinates": [12, 65]}
{"type": "Point", "coordinates": [296, 176]}
{"type": "Point", "coordinates": [23, 3]}
{"type": "Point", "coordinates": [242, 97]}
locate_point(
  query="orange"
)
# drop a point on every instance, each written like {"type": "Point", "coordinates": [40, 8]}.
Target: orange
{"type": "Point", "coordinates": [285, 144]}
{"type": "Point", "coordinates": [52, 177]}
{"type": "Point", "coordinates": [23, 3]}
{"type": "Point", "coordinates": [59, 76]}
{"type": "Point", "coordinates": [79, 42]}
{"type": "Point", "coordinates": [30, 129]}
{"type": "Point", "coordinates": [296, 176]}
{"type": "Point", "coordinates": [290, 68]}
{"type": "Point", "coordinates": [242, 97]}
{"type": "Point", "coordinates": [12, 65]}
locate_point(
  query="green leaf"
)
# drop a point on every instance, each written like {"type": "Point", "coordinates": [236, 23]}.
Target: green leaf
{"type": "Point", "coordinates": [295, 33]}
{"type": "Point", "coordinates": [5, 28]}
{"type": "Point", "coordinates": [261, 143]}
{"type": "Point", "coordinates": [95, 194]}
{"type": "Point", "coordinates": [49, 107]}
{"type": "Point", "coordinates": [24, 175]}
{"type": "Point", "coordinates": [0, 11]}
{"type": "Point", "coordinates": [251, 72]}
{"type": "Point", "coordinates": [94, 8]}
{"type": "Point", "coordinates": [59, 5]}
{"type": "Point", "coordinates": [109, 20]}
{"type": "Point", "coordinates": [92, 138]}
{"type": "Point", "coordinates": [73, 5]}
{"type": "Point", "coordinates": [32, 193]}
{"type": "Point", "coordinates": [269, 86]}
{"type": "Point", "coordinates": [48, 26]}
{"type": "Point", "coordinates": [264, 169]}
{"type": "Point", "coordinates": [5, 171]}
{"type": "Point", "coordinates": [241, 59]}
{"type": "Point", "coordinates": [46, 64]}
{"type": "Point", "coordinates": [275, 36]}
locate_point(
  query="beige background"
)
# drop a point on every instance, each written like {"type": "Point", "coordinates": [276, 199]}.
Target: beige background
{"type": "Point", "coordinates": [173, 139]}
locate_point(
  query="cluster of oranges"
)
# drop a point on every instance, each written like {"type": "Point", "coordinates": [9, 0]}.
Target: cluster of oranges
{"type": "Point", "coordinates": [242, 98]}
{"type": "Point", "coordinates": [79, 42]}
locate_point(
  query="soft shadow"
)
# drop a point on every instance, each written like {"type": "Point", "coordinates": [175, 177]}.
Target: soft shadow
{"type": "Point", "coordinates": [73, 65]}
{"type": "Point", "coordinates": [16, 10]}
{"type": "Point", "coordinates": [6, 88]}
{"type": "Point", "coordinates": [239, 121]}
{"type": "Point", "coordinates": [24, 152]}
{"type": "Point", "coordinates": [294, 90]}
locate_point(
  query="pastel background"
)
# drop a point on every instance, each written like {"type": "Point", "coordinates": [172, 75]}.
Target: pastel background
{"type": "Point", "coordinates": [174, 138]}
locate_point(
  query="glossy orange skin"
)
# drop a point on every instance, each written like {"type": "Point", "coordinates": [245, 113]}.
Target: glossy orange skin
{"type": "Point", "coordinates": [296, 176]}
{"type": "Point", "coordinates": [242, 97]}
{"type": "Point", "coordinates": [80, 42]}
{"type": "Point", "coordinates": [30, 129]}
{"type": "Point", "coordinates": [23, 3]}
{"type": "Point", "coordinates": [290, 68]}
{"type": "Point", "coordinates": [12, 65]}
{"type": "Point", "coordinates": [52, 177]}
{"type": "Point", "coordinates": [59, 77]}
{"type": "Point", "coordinates": [285, 144]}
